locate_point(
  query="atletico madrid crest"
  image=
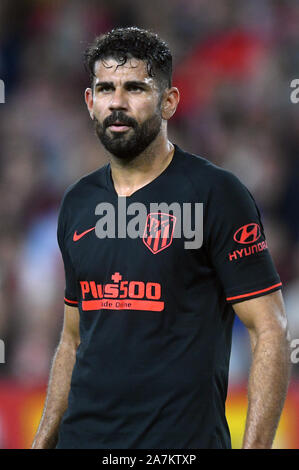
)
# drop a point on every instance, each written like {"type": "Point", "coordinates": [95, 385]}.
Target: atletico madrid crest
{"type": "Point", "coordinates": [158, 232]}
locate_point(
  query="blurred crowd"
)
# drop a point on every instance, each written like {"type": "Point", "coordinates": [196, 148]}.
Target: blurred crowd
{"type": "Point", "coordinates": [233, 63]}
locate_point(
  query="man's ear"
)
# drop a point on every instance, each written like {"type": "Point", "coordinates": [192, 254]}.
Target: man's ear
{"type": "Point", "coordinates": [89, 101]}
{"type": "Point", "coordinates": [170, 102]}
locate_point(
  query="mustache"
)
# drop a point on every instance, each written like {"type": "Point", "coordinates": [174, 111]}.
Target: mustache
{"type": "Point", "coordinates": [119, 116]}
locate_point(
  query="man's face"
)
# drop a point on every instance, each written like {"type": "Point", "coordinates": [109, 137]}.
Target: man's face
{"type": "Point", "coordinates": [125, 104]}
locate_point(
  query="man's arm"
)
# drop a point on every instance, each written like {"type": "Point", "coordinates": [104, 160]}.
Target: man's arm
{"type": "Point", "coordinates": [59, 381]}
{"type": "Point", "coordinates": [266, 321]}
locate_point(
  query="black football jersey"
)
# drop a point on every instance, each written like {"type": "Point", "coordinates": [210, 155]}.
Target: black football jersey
{"type": "Point", "coordinates": [156, 317]}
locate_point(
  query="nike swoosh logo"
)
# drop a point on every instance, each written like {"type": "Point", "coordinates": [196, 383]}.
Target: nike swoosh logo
{"type": "Point", "coordinates": [77, 236]}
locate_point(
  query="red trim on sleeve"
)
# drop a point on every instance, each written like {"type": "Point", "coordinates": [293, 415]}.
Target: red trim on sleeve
{"type": "Point", "coordinates": [71, 301]}
{"type": "Point", "coordinates": [254, 293]}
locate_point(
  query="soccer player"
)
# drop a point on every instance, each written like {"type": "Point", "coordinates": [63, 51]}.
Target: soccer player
{"type": "Point", "coordinates": [144, 352]}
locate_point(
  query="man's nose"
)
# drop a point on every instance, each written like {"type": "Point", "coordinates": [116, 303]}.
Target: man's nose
{"type": "Point", "coordinates": [118, 100]}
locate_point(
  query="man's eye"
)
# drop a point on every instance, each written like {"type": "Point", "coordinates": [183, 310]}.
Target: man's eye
{"type": "Point", "coordinates": [135, 88]}
{"type": "Point", "coordinates": [105, 89]}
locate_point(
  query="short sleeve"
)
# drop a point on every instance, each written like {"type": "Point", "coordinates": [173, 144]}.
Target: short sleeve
{"type": "Point", "coordinates": [70, 277]}
{"type": "Point", "coordinates": [235, 241]}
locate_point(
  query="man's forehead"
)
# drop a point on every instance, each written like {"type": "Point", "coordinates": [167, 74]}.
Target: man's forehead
{"type": "Point", "coordinates": [133, 69]}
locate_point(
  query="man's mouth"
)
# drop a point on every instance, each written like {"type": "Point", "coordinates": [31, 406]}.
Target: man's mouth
{"type": "Point", "coordinates": [119, 126]}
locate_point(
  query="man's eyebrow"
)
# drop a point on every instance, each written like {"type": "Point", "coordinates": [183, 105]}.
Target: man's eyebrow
{"type": "Point", "coordinates": [101, 84]}
{"type": "Point", "coordinates": [137, 83]}
{"type": "Point", "coordinates": [126, 84]}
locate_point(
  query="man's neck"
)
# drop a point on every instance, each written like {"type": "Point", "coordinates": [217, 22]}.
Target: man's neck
{"type": "Point", "coordinates": [130, 176]}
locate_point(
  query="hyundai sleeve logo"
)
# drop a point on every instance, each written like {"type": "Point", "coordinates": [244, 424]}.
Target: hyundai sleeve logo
{"type": "Point", "coordinates": [249, 233]}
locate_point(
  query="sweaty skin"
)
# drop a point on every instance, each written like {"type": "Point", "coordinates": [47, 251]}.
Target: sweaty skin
{"type": "Point", "coordinates": [266, 321]}
{"type": "Point", "coordinates": [59, 382]}
{"type": "Point", "coordinates": [140, 104]}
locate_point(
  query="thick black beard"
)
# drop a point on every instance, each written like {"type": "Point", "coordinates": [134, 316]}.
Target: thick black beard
{"type": "Point", "coordinates": [129, 146]}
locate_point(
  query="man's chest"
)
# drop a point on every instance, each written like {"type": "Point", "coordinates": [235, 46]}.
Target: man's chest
{"type": "Point", "coordinates": [134, 235]}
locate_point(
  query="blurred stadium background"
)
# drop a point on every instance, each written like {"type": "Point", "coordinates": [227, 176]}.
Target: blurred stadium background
{"type": "Point", "coordinates": [234, 62]}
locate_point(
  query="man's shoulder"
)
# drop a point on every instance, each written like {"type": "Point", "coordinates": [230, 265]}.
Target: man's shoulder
{"type": "Point", "coordinates": [205, 173]}
{"type": "Point", "coordinates": [81, 187]}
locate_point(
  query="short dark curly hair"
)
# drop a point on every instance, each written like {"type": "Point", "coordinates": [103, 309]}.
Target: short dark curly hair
{"type": "Point", "coordinates": [123, 43]}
